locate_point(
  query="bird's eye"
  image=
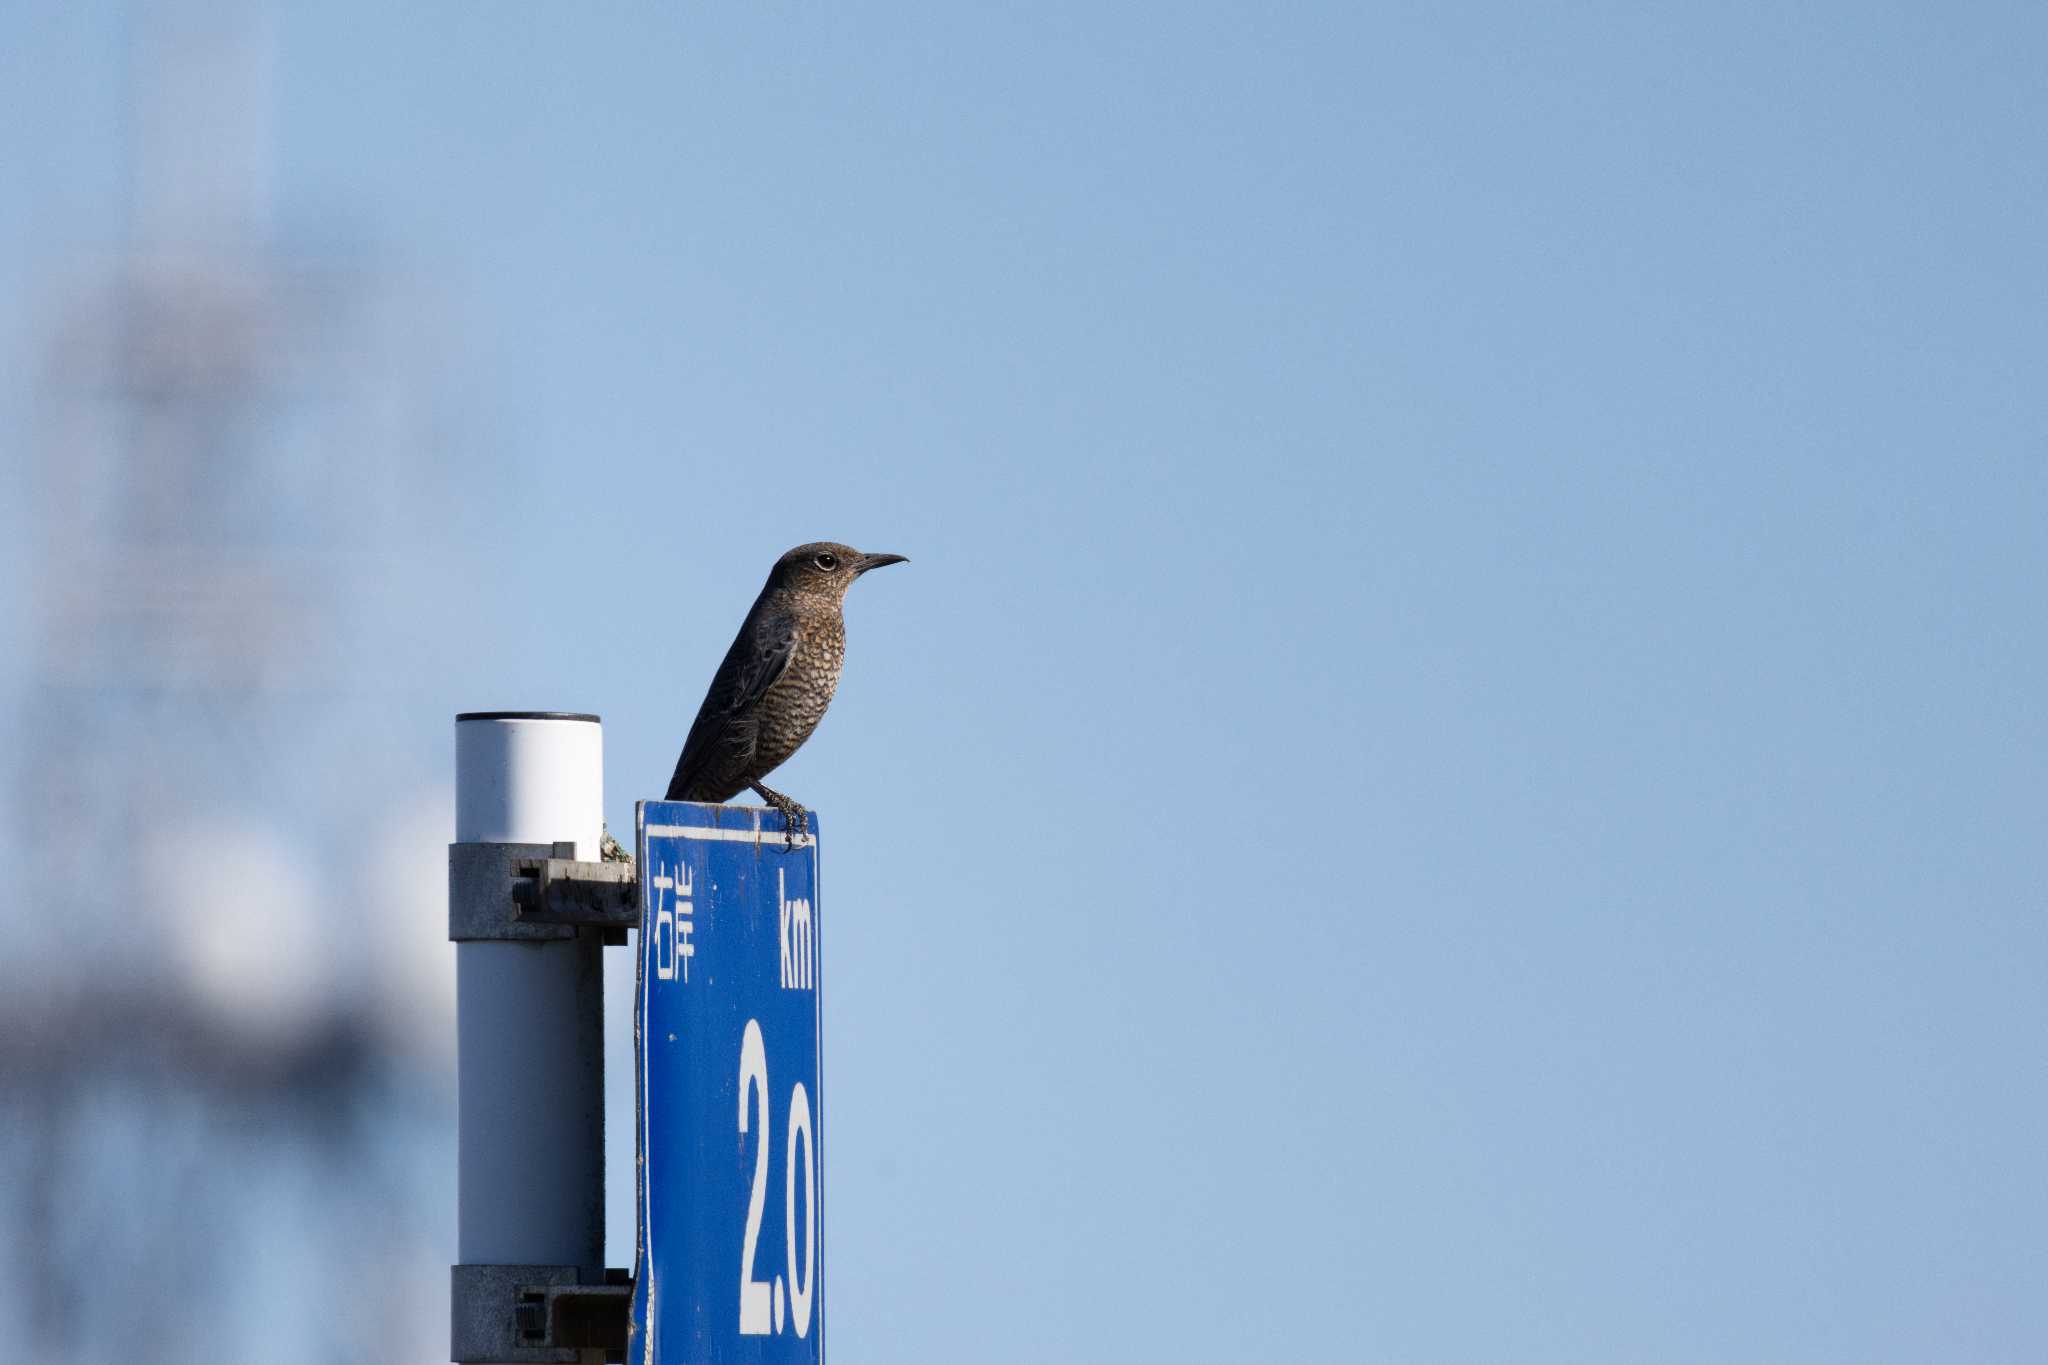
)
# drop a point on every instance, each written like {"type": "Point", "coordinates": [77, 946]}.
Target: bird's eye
{"type": "Point", "coordinates": [826, 560]}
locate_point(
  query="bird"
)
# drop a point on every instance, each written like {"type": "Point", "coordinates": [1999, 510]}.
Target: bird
{"type": "Point", "coordinates": [776, 681]}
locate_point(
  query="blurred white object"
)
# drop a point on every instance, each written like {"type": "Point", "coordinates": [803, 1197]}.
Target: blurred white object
{"type": "Point", "coordinates": [407, 978]}
{"type": "Point", "coordinates": [240, 923]}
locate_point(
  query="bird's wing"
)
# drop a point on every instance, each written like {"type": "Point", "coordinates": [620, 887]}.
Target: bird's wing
{"type": "Point", "coordinates": [774, 645]}
{"type": "Point", "coordinates": [756, 662]}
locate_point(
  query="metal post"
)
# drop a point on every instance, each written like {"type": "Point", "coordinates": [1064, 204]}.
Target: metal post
{"type": "Point", "coordinates": [529, 1015]}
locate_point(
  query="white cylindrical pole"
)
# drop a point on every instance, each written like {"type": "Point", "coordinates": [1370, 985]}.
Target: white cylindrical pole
{"type": "Point", "coordinates": [529, 1016]}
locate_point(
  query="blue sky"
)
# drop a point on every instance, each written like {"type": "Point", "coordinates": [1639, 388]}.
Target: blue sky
{"type": "Point", "coordinates": [1457, 772]}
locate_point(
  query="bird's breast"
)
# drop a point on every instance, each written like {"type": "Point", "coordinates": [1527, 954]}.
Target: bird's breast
{"type": "Point", "coordinates": [794, 706]}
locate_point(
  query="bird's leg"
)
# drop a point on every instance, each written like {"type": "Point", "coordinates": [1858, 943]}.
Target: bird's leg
{"type": "Point", "coordinates": [796, 821]}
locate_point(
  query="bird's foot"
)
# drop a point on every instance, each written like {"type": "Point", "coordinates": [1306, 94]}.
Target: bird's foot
{"type": "Point", "coordinates": [796, 821]}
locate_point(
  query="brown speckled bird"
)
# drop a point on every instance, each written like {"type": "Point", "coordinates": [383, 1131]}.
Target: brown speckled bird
{"type": "Point", "coordinates": [776, 681]}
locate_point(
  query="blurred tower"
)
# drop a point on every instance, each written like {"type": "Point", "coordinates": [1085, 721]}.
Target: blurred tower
{"type": "Point", "coordinates": [225, 428]}
{"type": "Point", "coordinates": [206, 448]}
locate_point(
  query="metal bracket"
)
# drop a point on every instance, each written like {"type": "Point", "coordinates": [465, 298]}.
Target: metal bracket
{"type": "Point", "coordinates": [542, 1314]}
{"type": "Point", "coordinates": [560, 890]}
{"type": "Point", "coordinates": [537, 893]}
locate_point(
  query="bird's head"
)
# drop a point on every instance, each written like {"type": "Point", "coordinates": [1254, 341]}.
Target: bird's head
{"type": "Point", "coordinates": [824, 568]}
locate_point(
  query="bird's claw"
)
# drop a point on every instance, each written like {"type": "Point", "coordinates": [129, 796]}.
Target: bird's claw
{"type": "Point", "coordinates": [796, 821]}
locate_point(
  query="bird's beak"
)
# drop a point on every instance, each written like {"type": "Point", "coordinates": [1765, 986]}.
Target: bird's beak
{"type": "Point", "coordinates": [877, 561]}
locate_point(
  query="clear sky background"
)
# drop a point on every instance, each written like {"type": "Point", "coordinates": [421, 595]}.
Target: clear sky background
{"type": "Point", "coordinates": [1458, 771]}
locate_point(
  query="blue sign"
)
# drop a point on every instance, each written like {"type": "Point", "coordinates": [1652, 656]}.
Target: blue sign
{"type": "Point", "coordinates": [731, 1110]}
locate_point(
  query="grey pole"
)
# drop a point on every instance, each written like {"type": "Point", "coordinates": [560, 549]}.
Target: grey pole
{"type": "Point", "coordinates": [529, 1015]}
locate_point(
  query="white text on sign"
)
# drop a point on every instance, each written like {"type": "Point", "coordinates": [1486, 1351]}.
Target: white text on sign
{"type": "Point", "coordinates": [761, 1302]}
{"type": "Point", "coordinates": [798, 957]}
{"type": "Point", "coordinates": [673, 921]}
